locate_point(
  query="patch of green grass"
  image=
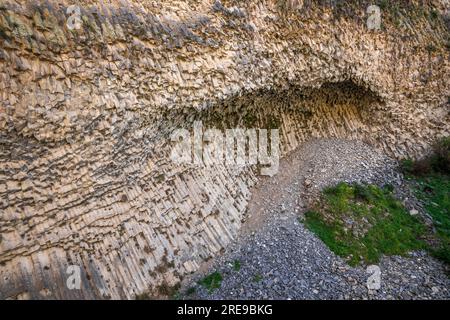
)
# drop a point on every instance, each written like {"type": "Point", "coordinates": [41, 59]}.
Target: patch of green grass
{"type": "Point", "coordinates": [236, 265]}
{"type": "Point", "coordinates": [257, 277]}
{"type": "Point", "coordinates": [431, 183]}
{"type": "Point", "coordinates": [407, 165]}
{"type": "Point", "coordinates": [383, 4]}
{"type": "Point", "coordinates": [362, 222]}
{"type": "Point", "coordinates": [212, 281]}
{"type": "Point", "coordinates": [434, 191]}
{"type": "Point", "coordinates": [190, 291]}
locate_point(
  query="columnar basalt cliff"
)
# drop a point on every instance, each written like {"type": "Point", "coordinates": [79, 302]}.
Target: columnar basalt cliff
{"type": "Point", "coordinates": [86, 116]}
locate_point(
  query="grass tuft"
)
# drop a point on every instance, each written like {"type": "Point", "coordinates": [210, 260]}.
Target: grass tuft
{"type": "Point", "coordinates": [257, 277]}
{"type": "Point", "coordinates": [212, 281]}
{"type": "Point", "coordinates": [431, 184]}
{"type": "Point", "coordinates": [434, 192]}
{"type": "Point", "coordinates": [236, 265]}
{"type": "Point", "coordinates": [436, 163]}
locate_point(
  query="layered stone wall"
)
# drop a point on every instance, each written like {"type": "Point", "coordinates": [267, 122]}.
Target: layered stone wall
{"type": "Point", "coordinates": [86, 116]}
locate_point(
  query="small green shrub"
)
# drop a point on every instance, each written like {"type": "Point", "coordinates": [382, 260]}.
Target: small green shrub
{"type": "Point", "coordinates": [431, 183]}
{"type": "Point", "coordinates": [212, 281]}
{"type": "Point", "coordinates": [434, 191]}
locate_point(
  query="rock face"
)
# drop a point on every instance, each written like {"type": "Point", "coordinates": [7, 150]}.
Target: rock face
{"type": "Point", "coordinates": [87, 108]}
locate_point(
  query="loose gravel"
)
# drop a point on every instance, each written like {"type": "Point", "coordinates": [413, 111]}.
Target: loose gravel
{"type": "Point", "coordinates": [281, 259]}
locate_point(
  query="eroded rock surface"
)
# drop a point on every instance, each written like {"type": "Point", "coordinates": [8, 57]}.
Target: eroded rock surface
{"type": "Point", "coordinates": [86, 117]}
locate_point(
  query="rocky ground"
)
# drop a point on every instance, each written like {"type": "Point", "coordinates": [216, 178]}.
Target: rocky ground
{"type": "Point", "coordinates": [280, 259]}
